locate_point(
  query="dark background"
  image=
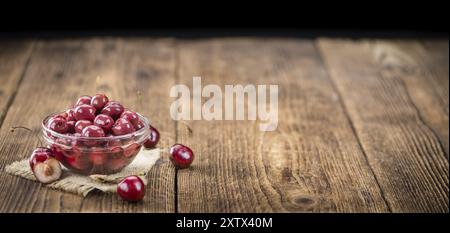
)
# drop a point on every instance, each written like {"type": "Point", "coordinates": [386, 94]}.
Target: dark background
{"type": "Point", "coordinates": [405, 19]}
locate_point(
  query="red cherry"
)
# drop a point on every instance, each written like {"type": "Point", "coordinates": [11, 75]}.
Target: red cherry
{"type": "Point", "coordinates": [78, 161]}
{"type": "Point", "coordinates": [58, 124]}
{"type": "Point", "coordinates": [122, 127]}
{"type": "Point", "coordinates": [116, 164]}
{"type": "Point", "coordinates": [130, 116]}
{"type": "Point", "coordinates": [113, 102]}
{"type": "Point", "coordinates": [114, 143]}
{"type": "Point", "coordinates": [75, 142]}
{"type": "Point", "coordinates": [93, 131]}
{"type": "Point", "coordinates": [58, 152]}
{"type": "Point", "coordinates": [80, 125]}
{"type": "Point", "coordinates": [99, 101]}
{"type": "Point", "coordinates": [113, 109]}
{"type": "Point", "coordinates": [45, 167]}
{"type": "Point", "coordinates": [153, 138]}
{"type": "Point", "coordinates": [104, 121]}
{"type": "Point", "coordinates": [63, 115]}
{"type": "Point", "coordinates": [98, 158]}
{"type": "Point", "coordinates": [85, 99]}
{"type": "Point", "coordinates": [181, 156]}
{"type": "Point", "coordinates": [117, 161]}
{"type": "Point", "coordinates": [131, 150]}
{"type": "Point", "coordinates": [131, 188]}
{"type": "Point", "coordinates": [117, 152]}
{"type": "Point", "coordinates": [139, 125]}
{"type": "Point", "coordinates": [71, 127]}
{"type": "Point", "coordinates": [84, 112]}
{"type": "Point", "coordinates": [43, 150]}
{"type": "Point", "coordinates": [39, 155]}
{"type": "Point", "coordinates": [70, 115]}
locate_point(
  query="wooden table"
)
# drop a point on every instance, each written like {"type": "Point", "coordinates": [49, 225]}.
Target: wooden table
{"type": "Point", "coordinates": [363, 124]}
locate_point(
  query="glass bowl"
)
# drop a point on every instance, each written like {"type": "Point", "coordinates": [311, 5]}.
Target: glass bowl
{"type": "Point", "coordinates": [90, 155]}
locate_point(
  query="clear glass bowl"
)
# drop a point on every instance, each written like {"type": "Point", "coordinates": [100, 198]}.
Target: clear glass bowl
{"type": "Point", "coordinates": [101, 155]}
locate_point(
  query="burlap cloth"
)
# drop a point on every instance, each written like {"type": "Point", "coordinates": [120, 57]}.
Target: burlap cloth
{"type": "Point", "coordinates": [82, 184]}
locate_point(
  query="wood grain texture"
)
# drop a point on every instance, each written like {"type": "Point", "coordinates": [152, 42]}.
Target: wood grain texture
{"type": "Point", "coordinates": [435, 61]}
{"type": "Point", "coordinates": [60, 71]}
{"type": "Point", "coordinates": [404, 152]}
{"type": "Point", "coordinates": [424, 73]}
{"type": "Point", "coordinates": [14, 56]}
{"type": "Point", "coordinates": [311, 163]}
{"type": "Point", "coordinates": [363, 125]}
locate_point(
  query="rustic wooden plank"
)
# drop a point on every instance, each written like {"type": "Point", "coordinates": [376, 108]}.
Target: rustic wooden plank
{"type": "Point", "coordinates": [58, 72]}
{"type": "Point", "coordinates": [35, 98]}
{"type": "Point", "coordinates": [312, 162]}
{"type": "Point", "coordinates": [436, 60]}
{"type": "Point", "coordinates": [425, 76]}
{"type": "Point", "coordinates": [13, 61]}
{"type": "Point", "coordinates": [403, 151]}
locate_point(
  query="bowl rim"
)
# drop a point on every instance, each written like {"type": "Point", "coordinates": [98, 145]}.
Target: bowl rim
{"type": "Point", "coordinates": [113, 138]}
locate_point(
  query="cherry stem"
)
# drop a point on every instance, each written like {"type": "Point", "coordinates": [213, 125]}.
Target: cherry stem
{"type": "Point", "coordinates": [13, 129]}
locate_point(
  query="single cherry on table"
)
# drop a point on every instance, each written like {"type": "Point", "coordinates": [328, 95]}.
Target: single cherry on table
{"type": "Point", "coordinates": [131, 188]}
{"type": "Point", "coordinates": [45, 167]}
{"type": "Point", "coordinates": [181, 156]}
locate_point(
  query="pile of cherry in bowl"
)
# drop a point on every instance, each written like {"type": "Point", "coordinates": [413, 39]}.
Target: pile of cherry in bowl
{"type": "Point", "coordinates": [99, 136]}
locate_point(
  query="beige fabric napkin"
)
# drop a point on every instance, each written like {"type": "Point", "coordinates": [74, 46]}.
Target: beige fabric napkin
{"type": "Point", "coordinates": [82, 184]}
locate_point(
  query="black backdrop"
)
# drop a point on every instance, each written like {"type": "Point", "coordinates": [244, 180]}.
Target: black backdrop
{"type": "Point", "coordinates": [214, 18]}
